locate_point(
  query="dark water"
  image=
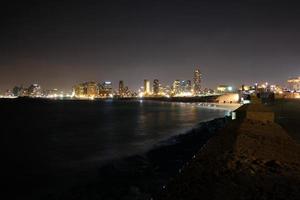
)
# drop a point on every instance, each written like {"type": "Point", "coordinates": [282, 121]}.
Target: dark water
{"type": "Point", "coordinates": [47, 144]}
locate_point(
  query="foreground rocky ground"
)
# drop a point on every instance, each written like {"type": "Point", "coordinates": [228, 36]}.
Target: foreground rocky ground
{"type": "Point", "coordinates": [249, 159]}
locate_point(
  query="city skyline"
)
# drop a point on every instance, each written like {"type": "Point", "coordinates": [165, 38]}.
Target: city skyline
{"type": "Point", "coordinates": [116, 85]}
{"type": "Point", "coordinates": [178, 88]}
{"type": "Point", "coordinates": [58, 44]}
{"type": "Point", "coordinates": [151, 89]}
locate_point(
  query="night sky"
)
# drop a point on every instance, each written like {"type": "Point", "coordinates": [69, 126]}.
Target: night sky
{"type": "Point", "coordinates": [58, 44]}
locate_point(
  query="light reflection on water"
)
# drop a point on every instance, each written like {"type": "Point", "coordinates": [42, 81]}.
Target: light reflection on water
{"type": "Point", "coordinates": [135, 127]}
{"type": "Point", "coordinates": [62, 141]}
{"type": "Point", "coordinates": [71, 132]}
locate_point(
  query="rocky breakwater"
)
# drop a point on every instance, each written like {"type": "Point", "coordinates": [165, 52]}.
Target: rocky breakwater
{"type": "Point", "coordinates": [251, 158]}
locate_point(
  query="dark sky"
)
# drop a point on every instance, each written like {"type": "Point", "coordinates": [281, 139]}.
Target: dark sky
{"type": "Point", "coordinates": [60, 43]}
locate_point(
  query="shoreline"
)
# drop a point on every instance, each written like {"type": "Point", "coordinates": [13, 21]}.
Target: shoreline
{"type": "Point", "coordinates": [252, 157]}
{"type": "Point", "coordinates": [156, 166]}
{"type": "Point", "coordinates": [142, 176]}
{"type": "Point", "coordinates": [208, 99]}
{"type": "Point", "coordinates": [200, 101]}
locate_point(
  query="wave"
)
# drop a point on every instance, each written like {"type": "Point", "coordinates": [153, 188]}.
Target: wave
{"type": "Point", "coordinates": [143, 175]}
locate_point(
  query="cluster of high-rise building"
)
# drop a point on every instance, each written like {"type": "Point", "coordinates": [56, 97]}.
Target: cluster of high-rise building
{"type": "Point", "coordinates": [124, 91]}
{"type": "Point", "coordinates": [101, 90]}
{"type": "Point", "coordinates": [179, 88]}
{"type": "Point", "coordinates": [33, 90]}
{"type": "Point", "coordinates": [36, 91]}
{"type": "Point", "coordinates": [93, 90]}
{"type": "Point", "coordinates": [182, 88]}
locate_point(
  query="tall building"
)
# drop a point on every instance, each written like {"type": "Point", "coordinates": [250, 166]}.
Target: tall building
{"type": "Point", "coordinates": [176, 87]}
{"type": "Point", "coordinates": [197, 82]}
{"type": "Point", "coordinates": [17, 91]}
{"type": "Point", "coordinates": [107, 86]}
{"type": "Point", "coordinates": [155, 87]}
{"type": "Point", "coordinates": [35, 90]}
{"type": "Point", "coordinates": [185, 86]}
{"type": "Point", "coordinates": [79, 90]}
{"type": "Point", "coordinates": [147, 89]}
{"type": "Point", "coordinates": [91, 89]}
{"type": "Point", "coordinates": [105, 89]}
{"type": "Point", "coordinates": [121, 88]}
{"type": "Point", "coordinates": [166, 90]}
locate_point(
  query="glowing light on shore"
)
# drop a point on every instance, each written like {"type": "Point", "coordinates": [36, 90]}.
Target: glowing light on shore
{"type": "Point", "coordinates": [141, 94]}
{"type": "Point", "coordinates": [184, 94]}
{"type": "Point", "coordinates": [8, 97]}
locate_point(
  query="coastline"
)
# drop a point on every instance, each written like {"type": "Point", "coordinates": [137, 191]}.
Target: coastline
{"type": "Point", "coordinates": [253, 157]}
{"type": "Point", "coordinates": [142, 176]}
{"type": "Point", "coordinates": [131, 176]}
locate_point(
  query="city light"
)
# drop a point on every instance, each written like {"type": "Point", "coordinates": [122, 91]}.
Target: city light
{"type": "Point", "coordinates": [92, 90]}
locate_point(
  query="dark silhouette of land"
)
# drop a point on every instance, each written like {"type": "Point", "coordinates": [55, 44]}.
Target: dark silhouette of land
{"type": "Point", "coordinates": [253, 157]}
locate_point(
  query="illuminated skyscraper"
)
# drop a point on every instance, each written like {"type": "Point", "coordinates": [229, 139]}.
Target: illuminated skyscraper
{"type": "Point", "coordinates": [155, 87]}
{"type": "Point", "coordinates": [121, 88]}
{"type": "Point", "coordinates": [147, 88]}
{"type": "Point", "coordinates": [17, 90]}
{"type": "Point", "coordinates": [105, 89]}
{"type": "Point", "coordinates": [176, 87]}
{"type": "Point", "coordinates": [197, 82]}
{"type": "Point", "coordinates": [107, 85]}
{"type": "Point", "coordinates": [185, 86]}
{"type": "Point", "coordinates": [78, 90]}
{"type": "Point", "coordinates": [91, 89]}
{"type": "Point", "coordinates": [87, 89]}
{"type": "Point", "coordinates": [35, 90]}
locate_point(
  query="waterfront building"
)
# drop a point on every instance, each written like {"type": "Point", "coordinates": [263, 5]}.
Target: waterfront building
{"type": "Point", "coordinates": [17, 91]}
{"type": "Point", "coordinates": [80, 90]}
{"type": "Point", "coordinates": [165, 91]}
{"type": "Point", "coordinates": [208, 91]}
{"type": "Point", "coordinates": [9, 93]}
{"type": "Point", "coordinates": [85, 90]}
{"type": "Point", "coordinates": [182, 88]}
{"type": "Point", "coordinates": [224, 89]}
{"type": "Point", "coordinates": [91, 89]}
{"type": "Point", "coordinates": [197, 82]}
{"type": "Point", "coordinates": [107, 90]}
{"type": "Point", "coordinates": [156, 87]}
{"type": "Point", "coordinates": [121, 88]}
{"type": "Point", "coordinates": [185, 87]}
{"type": "Point", "coordinates": [35, 90]}
{"type": "Point", "coordinates": [147, 89]}
{"type": "Point", "coordinates": [294, 83]}
{"type": "Point", "coordinates": [52, 93]}
{"type": "Point", "coordinates": [24, 92]}
{"type": "Point", "coordinates": [176, 88]}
